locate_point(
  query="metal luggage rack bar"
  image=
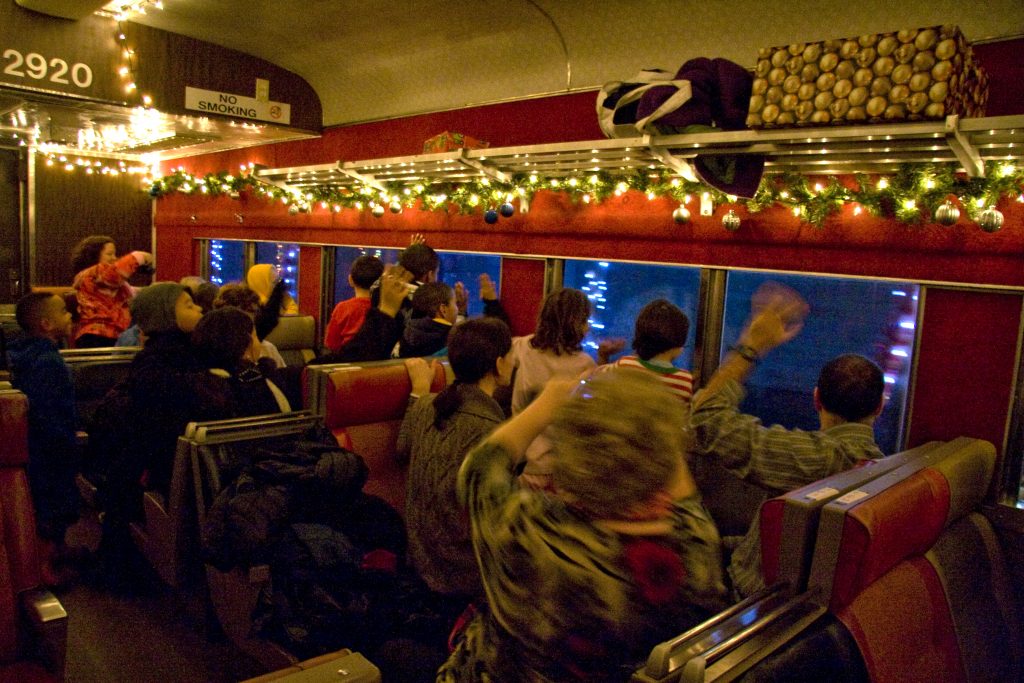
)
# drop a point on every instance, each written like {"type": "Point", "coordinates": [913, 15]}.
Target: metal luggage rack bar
{"type": "Point", "coordinates": [816, 151]}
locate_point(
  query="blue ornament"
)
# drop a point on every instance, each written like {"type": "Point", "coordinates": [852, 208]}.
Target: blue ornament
{"type": "Point", "coordinates": [154, 190]}
{"type": "Point", "coordinates": [490, 216]}
{"type": "Point", "coordinates": [507, 209]}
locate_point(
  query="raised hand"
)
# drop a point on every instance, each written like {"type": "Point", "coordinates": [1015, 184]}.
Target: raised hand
{"type": "Point", "coordinates": [393, 291]}
{"type": "Point", "coordinates": [461, 298]}
{"type": "Point", "coordinates": [778, 314]}
{"type": "Point", "coordinates": [606, 348]}
{"type": "Point", "coordinates": [488, 292]}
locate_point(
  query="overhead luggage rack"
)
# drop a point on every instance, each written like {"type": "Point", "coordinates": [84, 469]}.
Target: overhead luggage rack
{"type": "Point", "coordinates": [829, 150]}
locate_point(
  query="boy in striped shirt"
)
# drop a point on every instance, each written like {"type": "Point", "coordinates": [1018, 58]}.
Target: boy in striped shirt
{"type": "Point", "coordinates": [658, 339]}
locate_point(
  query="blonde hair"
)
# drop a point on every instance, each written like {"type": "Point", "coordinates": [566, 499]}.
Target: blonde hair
{"type": "Point", "coordinates": [618, 442]}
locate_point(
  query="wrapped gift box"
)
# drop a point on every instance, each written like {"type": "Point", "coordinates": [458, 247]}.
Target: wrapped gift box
{"type": "Point", "coordinates": [447, 141]}
{"type": "Point", "coordinates": [911, 75]}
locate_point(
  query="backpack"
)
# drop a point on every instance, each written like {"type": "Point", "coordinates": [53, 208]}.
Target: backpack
{"type": "Point", "coordinates": [617, 102]}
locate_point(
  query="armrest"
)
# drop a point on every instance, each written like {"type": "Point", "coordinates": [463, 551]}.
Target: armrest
{"type": "Point", "coordinates": [49, 622]}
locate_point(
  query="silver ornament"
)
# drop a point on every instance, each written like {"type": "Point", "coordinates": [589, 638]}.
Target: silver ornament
{"type": "Point", "coordinates": [947, 214]}
{"type": "Point", "coordinates": [731, 221]}
{"type": "Point", "coordinates": [681, 215]}
{"type": "Point", "coordinates": [991, 219]}
{"type": "Point", "coordinates": [377, 210]}
{"type": "Point", "coordinates": [396, 207]}
{"type": "Point", "coordinates": [293, 209]}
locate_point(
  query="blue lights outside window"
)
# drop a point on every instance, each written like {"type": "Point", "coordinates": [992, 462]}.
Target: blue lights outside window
{"type": "Point", "coordinates": [227, 261]}
{"type": "Point", "coordinates": [617, 292]}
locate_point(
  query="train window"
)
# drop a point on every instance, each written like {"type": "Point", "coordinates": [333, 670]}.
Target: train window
{"type": "Point", "coordinates": [284, 257]}
{"type": "Point", "coordinates": [618, 291]}
{"type": "Point", "coordinates": [227, 261]}
{"type": "Point", "coordinates": [467, 268]}
{"type": "Point", "coordinates": [455, 267]}
{"type": "Point", "coordinates": [874, 319]}
{"type": "Point", "coordinates": [343, 258]}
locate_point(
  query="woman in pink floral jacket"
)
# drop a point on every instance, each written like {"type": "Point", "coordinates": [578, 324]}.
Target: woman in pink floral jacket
{"type": "Point", "coordinates": [102, 289]}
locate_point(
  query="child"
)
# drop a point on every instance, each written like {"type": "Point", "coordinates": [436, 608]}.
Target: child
{"type": "Point", "coordinates": [39, 371]}
{"type": "Point", "coordinates": [555, 349]}
{"type": "Point", "coordinates": [434, 311]}
{"type": "Point", "coordinates": [348, 315]}
{"type": "Point", "coordinates": [658, 339]}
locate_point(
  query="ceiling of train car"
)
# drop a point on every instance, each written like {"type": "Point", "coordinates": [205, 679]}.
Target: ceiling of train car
{"type": "Point", "coordinates": [372, 60]}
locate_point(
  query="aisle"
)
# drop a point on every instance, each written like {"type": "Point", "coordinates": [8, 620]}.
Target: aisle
{"type": "Point", "coordinates": [151, 635]}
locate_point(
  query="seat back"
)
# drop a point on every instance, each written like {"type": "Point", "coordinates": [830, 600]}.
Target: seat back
{"type": "Point", "coordinates": [19, 560]}
{"type": "Point", "coordinates": [363, 407]}
{"type": "Point", "coordinates": [234, 594]}
{"type": "Point", "coordinates": [168, 533]}
{"type": "Point", "coordinates": [295, 338]}
{"type": "Point", "coordinates": [9, 331]}
{"type": "Point", "coordinates": [95, 372]}
{"type": "Point", "coordinates": [789, 523]}
{"type": "Point", "coordinates": [891, 559]}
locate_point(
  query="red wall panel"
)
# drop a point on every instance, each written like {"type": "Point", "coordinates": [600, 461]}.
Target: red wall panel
{"type": "Point", "coordinates": [966, 360]}
{"type": "Point", "coordinates": [309, 281]}
{"type": "Point", "coordinates": [522, 288]}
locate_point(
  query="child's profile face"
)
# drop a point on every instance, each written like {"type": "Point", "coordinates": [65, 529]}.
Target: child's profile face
{"type": "Point", "coordinates": [451, 311]}
{"type": "Point", "coordinates": [186, 313]}
{"type": "Point", "coordinates": [58, 318]}
{"type": "Point", "coordinates": [109, 253]}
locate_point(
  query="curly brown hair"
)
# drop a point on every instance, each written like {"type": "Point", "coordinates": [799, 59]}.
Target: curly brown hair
{"type": "Point", "coordinates": [87, 252]}
{"type": "Point", "coordinates": [562, 323]}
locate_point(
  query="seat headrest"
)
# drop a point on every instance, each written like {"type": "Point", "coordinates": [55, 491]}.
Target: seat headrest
{"type": "Point", "coordinates": [13, 428]}
{"type": "Point", "coordinates": [970, 472]}
{"type": "Point", "coordinates": [897, 522]}
{"type": "Point", "coordinates": [371, 394]}
{"type": "Point", "coordinates": [294, 332]}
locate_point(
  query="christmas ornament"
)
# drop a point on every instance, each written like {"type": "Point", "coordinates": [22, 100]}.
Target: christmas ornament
{"type": "Point", "coordinates": [681, 215]}
{"type": "Point", "coordinates": [947, 214]}
{"type": "Point", "coordinates": [377, 210]}
{"type": "Point", "coordinates": [154, 190]}
{"type": "Point", "coordinates": [731, 221]}
{"type": "Point", "coordinates": [293, 209]}
{"type": "Point", "coordinates": [507, 209]}
{"type": "Point", "coordinates": [490, 216]}
{"type": "Point", "coordinates": [991, 219]}
{"type": "Point", "coordinates": [396, 207]}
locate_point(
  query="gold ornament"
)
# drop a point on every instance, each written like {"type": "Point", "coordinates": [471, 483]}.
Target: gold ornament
{"type": "Point", "coordinates": [991, 219]}
{"type": "Point", "coordinates": [731, 221]}
{"type": "Point", "coordinates": [947, 214]}
{"type": "Point", "coordinates": [681, 215]}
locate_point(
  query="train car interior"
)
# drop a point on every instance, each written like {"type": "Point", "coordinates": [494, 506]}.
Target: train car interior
{"type": "Point", "coordinates": [868, 158]}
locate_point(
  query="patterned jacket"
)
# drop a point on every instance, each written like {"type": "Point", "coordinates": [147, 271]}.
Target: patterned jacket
{"type": "Point", "coordinates": [567, 599]}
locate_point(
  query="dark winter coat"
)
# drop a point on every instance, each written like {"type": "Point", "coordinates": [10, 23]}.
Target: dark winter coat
{"type": "Point", "coordinates": [39, 372]}
{"type": "Point", "coordinates": [423, 337]}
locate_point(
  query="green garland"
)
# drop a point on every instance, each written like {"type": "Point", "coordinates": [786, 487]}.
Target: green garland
{"type": "Point", "coordinates": [911, 195]}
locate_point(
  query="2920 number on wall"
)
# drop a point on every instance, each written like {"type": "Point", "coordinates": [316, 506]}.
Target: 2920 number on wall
{"type": "Point", "coordinates": [56, 70]}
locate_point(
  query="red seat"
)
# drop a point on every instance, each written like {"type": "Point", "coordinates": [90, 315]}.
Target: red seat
{"type": "Point", "coordinates": [22, 602]}
{"type": "Point", "coordinates": [363, 407]}
{"type": "Point", "coordinates": [903, 561]}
